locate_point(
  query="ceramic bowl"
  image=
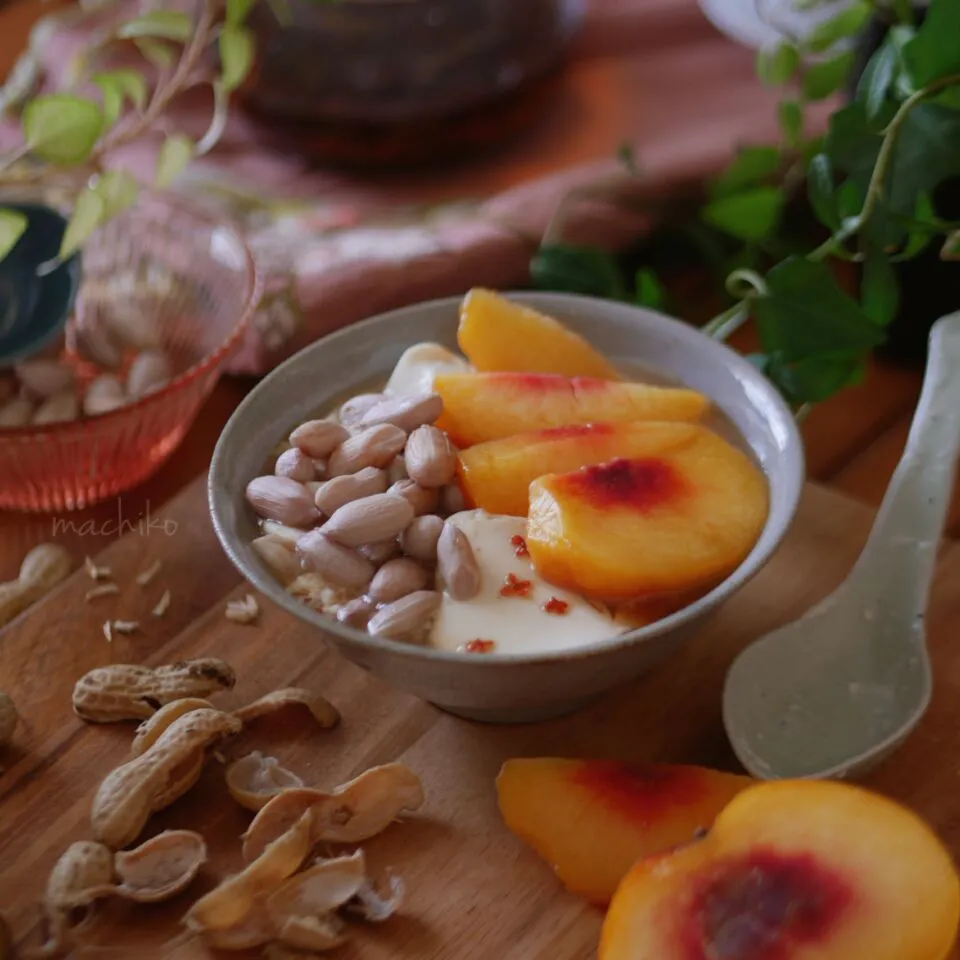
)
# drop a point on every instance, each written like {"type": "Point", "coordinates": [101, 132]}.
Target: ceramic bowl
{"type": "Point", "coordinates": [520, 687]}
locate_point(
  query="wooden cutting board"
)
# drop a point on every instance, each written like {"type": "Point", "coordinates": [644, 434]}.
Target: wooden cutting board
{"type": "Point", "coordinates": [474, 891]}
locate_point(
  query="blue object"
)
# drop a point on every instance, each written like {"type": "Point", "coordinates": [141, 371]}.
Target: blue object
{"type": "Point", "coordinates": [34, 308]}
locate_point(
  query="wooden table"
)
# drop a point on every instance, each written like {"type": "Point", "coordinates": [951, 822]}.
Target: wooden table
{"type": "Point", "coordinates": [511, 908]}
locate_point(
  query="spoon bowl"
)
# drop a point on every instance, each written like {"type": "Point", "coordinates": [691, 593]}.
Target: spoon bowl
{"type": "Point", "coordinates": [832, 694]}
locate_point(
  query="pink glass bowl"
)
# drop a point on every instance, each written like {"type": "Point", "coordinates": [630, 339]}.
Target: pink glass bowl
{"type": "Point", "coordinates": [188, 278]}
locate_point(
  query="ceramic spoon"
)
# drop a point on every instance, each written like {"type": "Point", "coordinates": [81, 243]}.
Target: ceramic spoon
{"type": "Point", "coordinates": [35, 304]}
{"type": "Point", "coordinates": [833, 693]}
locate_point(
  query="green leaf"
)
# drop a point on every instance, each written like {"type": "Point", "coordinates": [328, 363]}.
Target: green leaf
{"type": "Point", "coordinates": [129, 83]}
{"type": "Point", "coordinates": [791, 122]}
{"type": "Point", "coordinates": [879, 289]}
{"type": "Point", "coordinates": [236, 55]}
{"type": "Point", "coordinates": [923, 226]}
{"type": "Point", "coordinates": [752, 166]}
{"type": "Point", "coordinates": [62, 128]}
{"type": "Point", "coordinates": [576, 269]}
{"type": "Point", "coordinates": [821, 191]}
{"type": "Point", "coordinates": [750, 215]}
{"type": "Point", "coordinates": [112, 97]}
{"type": "Point", "coordinates": [935, 51]}
{"type": "Point", "coordinates": [805, 314]}
{"type": "Point", "coordinates": [175, 154]}
{"type": "Point", "coordinates": [775, 66]}
{"type": "Point", "coordinates": [903, 10]}
{"type": "Point", "coordinates": [649, 290]}
{"type": "Point", "coordinates": [845, 24]}
{"type": "Point", "coordinates": [118, 190]}
{"type": "Point", "coordinates": [951, 247]}
{"type": "Point", "coordinates": [815, 379]}
{"type": "Point", "coordinates": [13, 225]}
{"type": "Point", "coordinates": [159, 54]}
{"type": "Point", "coordinates": [237, 11]}
{"type": "Point", "coordinates": [87, 216]}
{"type": "Point", "coordinates": [877, 79]}
{"type": "Point", "coordinates": [160, 25]}
{"type": "Point", "coordinates": [827, 76]}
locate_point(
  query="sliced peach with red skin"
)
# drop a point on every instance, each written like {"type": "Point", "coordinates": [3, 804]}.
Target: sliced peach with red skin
{"type": "Point", "coordinates": [593, 819]}
{"type": "Point", "coordinates": [488, 406]}
{"type": "Point", "coordinates": [631, 528]}
{"type": "Point", "coordinates": [793, 870]}
{"type": "Point", "coordinates": [496, 475]}
{"type": "Point", "coordinates": [498, 334]}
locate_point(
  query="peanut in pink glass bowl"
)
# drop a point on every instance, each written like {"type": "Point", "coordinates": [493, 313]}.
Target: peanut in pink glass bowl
{"type": "Point", "coordinates": [189, 280]}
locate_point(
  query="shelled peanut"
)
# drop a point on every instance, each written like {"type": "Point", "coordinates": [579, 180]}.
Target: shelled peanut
{"type": "Point", "coordinates": [352, 516]}
{"type": "Point", "coordinates": [48, 389]}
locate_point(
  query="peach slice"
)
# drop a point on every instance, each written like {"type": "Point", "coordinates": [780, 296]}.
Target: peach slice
{"type": "Point", "coordinates": [793, 870]}
{"type": "Point", "coordinates": [593, 819]}
{"type": "Point", "coordinates": [488, 406]}
{"type": "Point", "coordinates": [632, 528]}
{"type": "Point", "coordinates": [497, 334]}
{"type": "Point", "coordinates": [496, 475]}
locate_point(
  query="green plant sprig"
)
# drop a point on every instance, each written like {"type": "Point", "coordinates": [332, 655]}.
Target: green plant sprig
{"type": "Point", "coordinates": [66, 137]}
{"type": "Point", "coordinates": [870, 181]}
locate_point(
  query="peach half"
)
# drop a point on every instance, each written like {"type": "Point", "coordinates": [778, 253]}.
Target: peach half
{"type": "Point", "coordinates": [593, 819]}
{"type": "Point", "coordinates": [671, 523]}
{"type": "Point", "coordinates": [496, 475]}
{"type": "Point", "coordinates": [793, 870]}
{"type": "Point", "coordinates": [497, 334]}
{"type": "Point", "coordinates": [489, 406]}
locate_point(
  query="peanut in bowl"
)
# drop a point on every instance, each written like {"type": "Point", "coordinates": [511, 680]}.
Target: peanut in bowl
{"type": "Point", "coordinates": [581, 552]}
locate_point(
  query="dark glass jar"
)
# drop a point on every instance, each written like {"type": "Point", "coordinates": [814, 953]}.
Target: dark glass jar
{"type": "Point", "coordinates": [400, 80]}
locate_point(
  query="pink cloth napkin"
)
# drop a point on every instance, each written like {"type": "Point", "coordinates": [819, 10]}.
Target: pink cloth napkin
{"type": "Point", "coordinates": [335, 248]}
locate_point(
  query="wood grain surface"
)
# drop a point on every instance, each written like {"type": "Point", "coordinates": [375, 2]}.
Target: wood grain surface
{"type": "Point", "coordinates": [475, 892]}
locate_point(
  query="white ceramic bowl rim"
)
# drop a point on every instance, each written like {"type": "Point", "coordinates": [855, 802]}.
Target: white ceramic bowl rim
{"type": "Point", "coordinates": [778, 520]}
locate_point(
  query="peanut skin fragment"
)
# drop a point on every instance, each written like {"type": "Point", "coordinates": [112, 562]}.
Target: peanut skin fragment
{"type": "Point", "coordinates": [166, 770]}
{"type": "Point", "coordinates": [229, 905]}
{"type": "Point", "coordinates": [324, 712]}
{"type": "Point", "coordinates": [353, 812]}
{"type": "Point", "coordinates": [126, 691]}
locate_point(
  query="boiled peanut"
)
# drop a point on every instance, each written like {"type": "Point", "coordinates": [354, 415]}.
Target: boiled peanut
{"type": "Point", "coordinates": [422, 499]}
{"type": "Point", "coordinates": [380, 552]}
{"type": "Point", "coordinates": [357, 612]}
{"type": "Point", "coordinates": [334, 562]}
{"type": "Point", "coordinates": [456, 564]}
{"type": "Point", "coordinates": [318, 438]}
{"type": "Point", "coordinates": [397, 578]}
{"type": "Point", "coordinates": [335, 493]}
{"type": "Point", "coordinates": [430, 457]}
{"type": "Point", "coordinates": [419, 540]}
{"type": "Point", "coordinates": [282, 499]}
{"type": "Point", "coordinates": [41, 570]}
{"type": "Point", "coordinates": [352, 411]}
{"type": "Point", "coordinates": [407, 618]}
{"type": "Point", "coordinates": [59, 408]}
{"type": "Point", "coordinates": [278, 555]}
{"type": "Point", "coordinates": [104, 394]}
{"type": "Point", "coordinates": [150, 371]}
{"type": "Point", "coordinates": [452, 499]}
{"type": "Point", "coordinates": [8, 718]}
{"type": "Point", "coordinates": [16, 412]}
{"type": "Point", "coordinates": [44, 378]}
{"type": "Point", "coordinates": [295, 465]}
{"type": "Point", "coordinates": [165, 771]}
{"type": "Point", "coordinates": [372, 447]}
{"type": "Point", "coordinates": [397, 470]}
{"type": "Point", "coordinates": [370, 520]}
{"type": "Point", "coordinates": [150, 731]}
{"type": "Point", "coordinates": [407, 413]}
{"type": "Point", "coordinates": [124, 691]}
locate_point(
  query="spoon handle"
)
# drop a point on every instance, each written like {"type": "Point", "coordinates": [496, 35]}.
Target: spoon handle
{"type": "Point", "coordinates": [901, 551]}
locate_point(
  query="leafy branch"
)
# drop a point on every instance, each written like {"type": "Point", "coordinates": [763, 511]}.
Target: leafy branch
{"type": "Point", "coordinates": [870, 181]}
